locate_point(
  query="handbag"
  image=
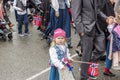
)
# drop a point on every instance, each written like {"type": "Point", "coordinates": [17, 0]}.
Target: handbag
{"type": "Point", "coordinates": [93, 70]}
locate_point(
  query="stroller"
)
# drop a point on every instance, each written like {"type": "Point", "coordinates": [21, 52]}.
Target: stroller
{"type": "Point", "coordinates": [4, 31]}
{"type": "Point", "coordinates": [45, 16]}
{"type": "Point", "coordinates": [41, 13]}
{"type": "Point", "coordinates": [35, 7]}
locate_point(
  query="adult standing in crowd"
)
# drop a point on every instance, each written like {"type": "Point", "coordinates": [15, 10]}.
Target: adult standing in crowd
{"type": "Point", "coordinates": [85, 15]}
{"type": "Point", "coordinates": [60, 18]}
{"type": "Point", "coordinates": [21, 7]}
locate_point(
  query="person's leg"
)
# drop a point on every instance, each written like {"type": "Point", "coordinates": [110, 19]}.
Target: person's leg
{"type": "Point", "coordinates": [48, 30]}
{"type": "Point", "coordinates": [86, 55]}
{"type": "Point", "coordinates": [51, 26]}
{"type": "Point", "coordinates": [78, 49]}
{"type": "Point", "coordinates": [115, 65]}
{"type": "Point", "coordinates": [115, 59]}
{"type": "Point", "coordinates": [66, 26]}
{"type": "Point", "coordinates": [53, 21]}
{"type": "Point", "coordinates": [20, 19]}
{"type": "Point", "coordinates": [26, 24]}
{"type": "Point", "coordinates": [66, 23]}
{"type": "Point", "coordinates": [99, 47]}
{"type": "Point", "coordinates": [119, 56]}
{"type": "Point", "coordinates": [108, 62]}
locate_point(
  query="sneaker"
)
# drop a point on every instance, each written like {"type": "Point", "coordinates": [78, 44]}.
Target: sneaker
{"type": "Point", "coordinates": [109, 74]}
{"type": "Point", "coordinates": [28, 34]}
{"type": "Point", "coordinates": [69, 46]}
{"type": "Point", "coordinates": [116, 68]}
{"type": "Point", "coordinates": [21, 35]}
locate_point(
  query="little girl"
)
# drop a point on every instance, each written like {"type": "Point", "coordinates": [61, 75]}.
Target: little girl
{"type": "Point", "coordinates": [116, 42]}
{"type": "Point", "coordinates": [59, 54]}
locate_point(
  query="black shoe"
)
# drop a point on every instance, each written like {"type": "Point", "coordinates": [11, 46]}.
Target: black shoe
{"type": "Point", "coordinates": [79, 54]}
{"type": "Point", "coordinates": [103, 58]}
{"type": "Point", "coordinates": [38, 28]}
{"type": "Point", "coordinates": [69, 46]}
{"type": "Point", "coordinates": [109, 74]}
{"type": "Point", "coordinates": [44, 37]}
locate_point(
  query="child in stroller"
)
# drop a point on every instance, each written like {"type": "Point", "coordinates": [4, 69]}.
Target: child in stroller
{"type": "Point", "coordinates": [4, 31]}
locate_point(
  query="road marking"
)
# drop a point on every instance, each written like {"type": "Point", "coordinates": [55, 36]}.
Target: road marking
{"type": "Point", "coordinates": [44, 71]}
{"type": "Point", "coordinates": [38, 74]}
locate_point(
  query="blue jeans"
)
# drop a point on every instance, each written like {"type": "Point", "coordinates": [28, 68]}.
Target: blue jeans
{"type": "Point", "coordinates": [108, 62]}
{"type": "Point", "coordinates": [21, 19]}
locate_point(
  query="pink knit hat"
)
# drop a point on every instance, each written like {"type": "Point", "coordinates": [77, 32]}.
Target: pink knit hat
{"type": "Point", "coordinates": [59, 32]}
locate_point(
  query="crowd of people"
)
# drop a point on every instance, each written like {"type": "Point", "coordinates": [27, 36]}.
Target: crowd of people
{"type": "Point", "coordinates": [93, 20]}
{"type": "Point", "coordinates": [97, 22]}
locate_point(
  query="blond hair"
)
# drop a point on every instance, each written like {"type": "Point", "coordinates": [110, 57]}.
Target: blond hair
{"type": "Point", "coordinates": [118, 15]}
{"type": "Point", "coordinates": [53, 43]}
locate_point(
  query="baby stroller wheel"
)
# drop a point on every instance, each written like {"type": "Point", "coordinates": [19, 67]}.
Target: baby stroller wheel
{"type": "Point", "coordinates": [4, 37]}
{"type": "Point", "coordinates": [10, 36]}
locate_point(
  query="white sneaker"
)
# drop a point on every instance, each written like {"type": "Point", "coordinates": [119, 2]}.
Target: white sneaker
{"type": "Point", "coordinates": [28, 34]}
{"type": "Point", "coordinates": [21, 35]}
{"type": "Point", "coordinates": [116, 68]}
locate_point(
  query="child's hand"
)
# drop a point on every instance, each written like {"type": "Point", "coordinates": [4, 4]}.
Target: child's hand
{"type": "Point", "coordinates": [57, 13]}
{"type": "Point", "coordinates": [63, 68]}
{"type": "Point", "coordinates": [70, 60]}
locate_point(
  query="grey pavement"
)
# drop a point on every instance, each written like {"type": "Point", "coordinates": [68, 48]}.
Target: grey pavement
{"type": "Point", "coordinates": [26, 58]}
